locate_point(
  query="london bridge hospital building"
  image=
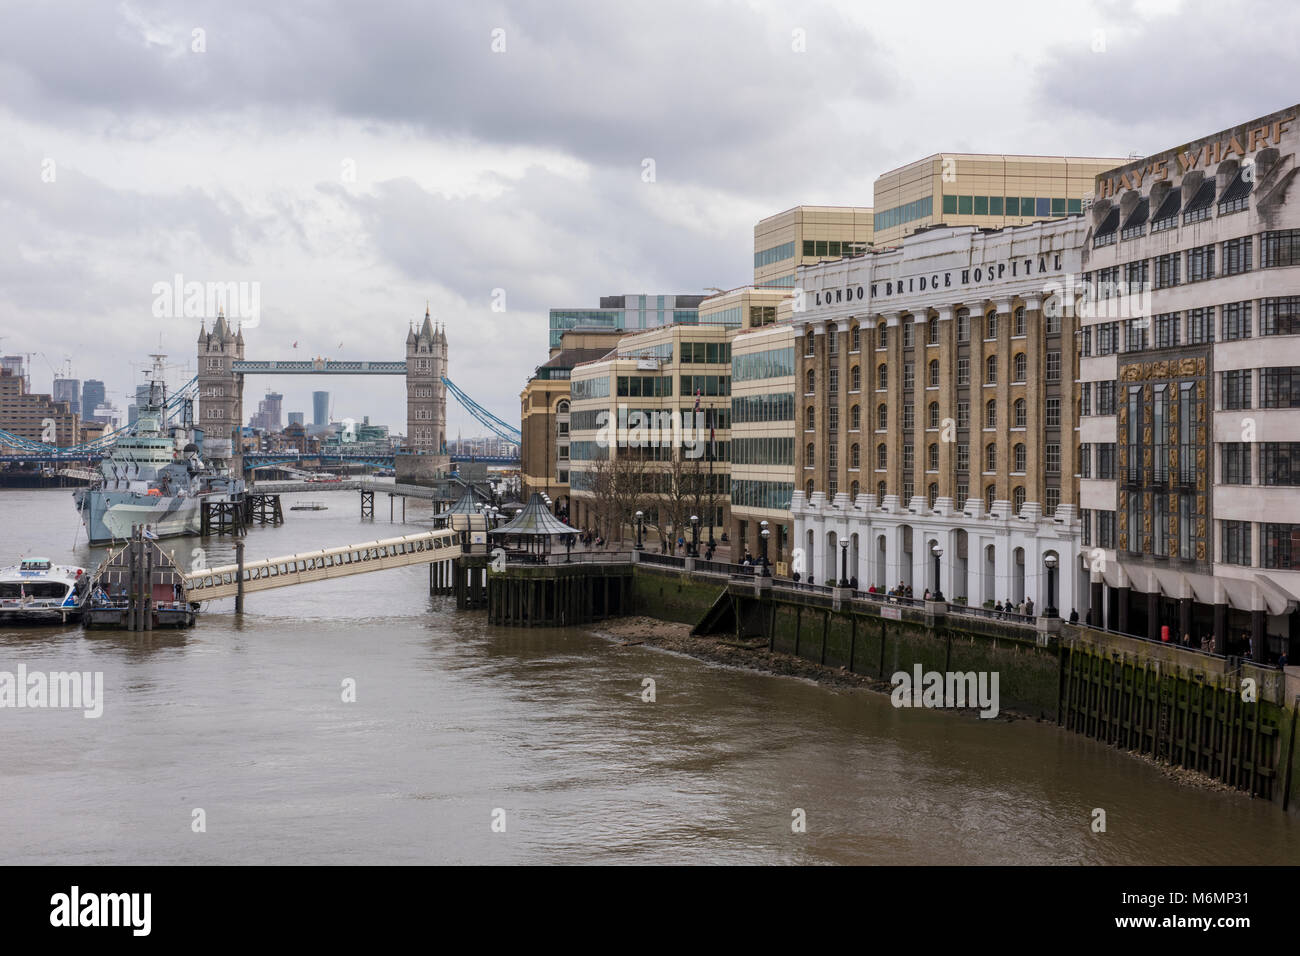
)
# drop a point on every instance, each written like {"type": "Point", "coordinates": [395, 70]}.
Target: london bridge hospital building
{"type": "Point", "coordinates": [938, 402]}
{"type": "Point", "coordinates": [1116, 392]}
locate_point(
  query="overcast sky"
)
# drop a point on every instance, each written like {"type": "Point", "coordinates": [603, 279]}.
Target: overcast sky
{"type": "Point", "coordinates": [357, 159]}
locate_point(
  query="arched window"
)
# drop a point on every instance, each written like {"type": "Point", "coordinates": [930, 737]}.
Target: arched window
{"type": "Point", "coordinates": [963, 325]}
{"type": "Point", "coordinates": [991, 413]}
{"type": "Point", "coordinates": [1020, 365]}
{"type": "Point", "coordinates": [1020, 458]}
{"type": "Point", "coordinates": [1018, 321]}
{"type": "Point", "coordinates": [880, 492]}
{"type": "Point", "coordinates": [882, 376]}
{"type": "Point", "coordinates": [1020, 413]}
{"type": "Point", "coordinates": [809, 381]}
{"type": "Point", "coordinates": [989, 494]}
{"type": "Point", "coordinates": [991, 323]}
{"type": "Point", "coordinates": [882, 417]}
{"type": "Point", "coordinates": [855, 339]}
{"type": "Point", "coordinates": [853, 491]}
{"type": "Point", "coordinates": [810, 455]}
{"type": "Point", "coordinates": [934, 373]}
{"type": "Point", "coordinates": [882, 456]}
{"type": "Point", "coordinates": [990, 371]}
{"type": "Point", "coordinates": [882, 335]}
{"type": "Point", "coordinates": [810, 418]}
{"type": "Point", "coordinates": [855, 379]}
{"type": "Point", "coordinates": [934, 456]}
{"type": "Point", "coordinates": [932, 493]}
{"type": "Point", "coordinates": [1018, 498]}
{"type": "Point", "coordinates": [808, 348]}
{"type": "Point", "coordinates": [855, 456]}
{"type": "Point", "coordinates": [909, 339]}
{"type": "Point", "coordinates": [562, 408]}
{"type": "Point", "coordinates": [934, 415]}
{"type": "Point", "coordinates": [932, 332]}
{"type": "Point", "coordinates": [808, 488]}
{"type": "Point", "coordinates": [990, 457]}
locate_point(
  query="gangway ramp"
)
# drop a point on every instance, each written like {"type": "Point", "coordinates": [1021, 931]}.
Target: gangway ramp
{"type": "Point", "coordinates": [210, 584]}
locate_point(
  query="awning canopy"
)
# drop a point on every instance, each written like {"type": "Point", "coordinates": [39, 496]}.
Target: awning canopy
{"type": "Point", "coordinates": [535, 521]}
{"type": "Point", "coordinates": [1243, 594]}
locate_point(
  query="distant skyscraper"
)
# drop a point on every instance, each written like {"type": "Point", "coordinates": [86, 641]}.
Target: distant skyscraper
{"type": "Point", "coordinates": [68, 390]}
{"type": "Point", "coordinates": [320, 408]}
{"type": "Point", "coordinates": [269, 415]}
{"type": "Point", "coordinates": [296, 418]}
{"type": "Point", "coordinates": [92, 396]}
{"type": "Point", "coordinates": [141, 398]}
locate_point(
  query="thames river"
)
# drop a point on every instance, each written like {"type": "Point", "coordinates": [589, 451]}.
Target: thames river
{"type": "Point", "coordinates": [457, 725]}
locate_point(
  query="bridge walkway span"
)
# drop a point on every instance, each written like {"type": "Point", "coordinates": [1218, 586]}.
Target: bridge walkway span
{"type": "Point", "coordinates": [429, 547]}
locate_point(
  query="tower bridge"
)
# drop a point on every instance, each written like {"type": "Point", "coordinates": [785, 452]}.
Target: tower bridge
{"type": "Point", "coordinates": [223, 366]}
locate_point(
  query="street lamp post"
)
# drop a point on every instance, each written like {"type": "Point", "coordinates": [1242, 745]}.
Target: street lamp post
{"type": "Point", "coordinates": [762, 537]}
{"type": "Point", "coordinates": [938, 589]}
{"type": "Point", "coordinates": [695, 536]}
{"type": "Point", "coordinates": [640, 527]}
{"type": "Point", "coordinates": [1050, 561]}
{"type": "Point", "coordinates": [844, 564]}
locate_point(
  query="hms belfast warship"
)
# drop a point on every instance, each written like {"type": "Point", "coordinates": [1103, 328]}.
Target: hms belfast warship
{"type": "Point", "coordinates": [154, 476]}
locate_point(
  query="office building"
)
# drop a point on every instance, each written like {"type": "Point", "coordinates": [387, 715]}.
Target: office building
{"type": "Point", "coordinates": [975, 189]}
{"type": "Point", "coordinates": [805, 235]}
{"type": "Point", "coordinates": [763, 369]}
{"type": "Point", "coordinates": [649, 430]}
{"type": "Point", "coordinates": [320, 409]}
{"type": "Point", "coordinates": [68, 390]}
{"type": "Point", "coordinates": [1190, 391]}
{"type": "Point", "coordinates": [625, 313]}
{"type": "Point", "coordinates": [92, 396]}
{"type": "Point", "coordinates": [296, 418]}
{"type": "Point", "coordinates": [269, 416]}
{"type": "Point", "coordinates": [544, 416]}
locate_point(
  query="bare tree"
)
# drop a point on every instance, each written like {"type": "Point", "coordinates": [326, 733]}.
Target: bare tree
{"type": "Point", "coordinates": [618, 489]}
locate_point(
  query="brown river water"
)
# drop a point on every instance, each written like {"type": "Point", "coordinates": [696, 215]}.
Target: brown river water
{"type": "Point", "coordinates": [457, 724]}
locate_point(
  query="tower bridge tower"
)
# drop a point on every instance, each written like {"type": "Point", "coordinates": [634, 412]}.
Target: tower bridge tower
{"type": "Point", "coordinates": [426, 403]}
{"type": "Point", "coordinates": [221, 392]}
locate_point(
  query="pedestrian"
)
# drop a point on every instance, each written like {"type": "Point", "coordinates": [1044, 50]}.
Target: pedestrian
{"type": "Point", "coordinates": [853, 582]}
{"type": "Point", "coordinates": [1187, 640]}
{"type": "Point", "coordinates": [927, 594]}
{"type": "Point", "coordinates": [810, 579]}
{"type": "Point", "coordinates": [796, 577]}
{"type": "Point", "coordinates": [1074, 616]}
{"type": "Point", "coordinates": [1281, 660]}
{"type": "Point", "coordinates": [1029, 606]}
{"type": "Point", "coordinates": [998, 607]}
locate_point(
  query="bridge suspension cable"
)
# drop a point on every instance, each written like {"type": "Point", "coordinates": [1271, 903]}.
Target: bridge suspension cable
{"type": "Point", "coordinates": [487, 419]}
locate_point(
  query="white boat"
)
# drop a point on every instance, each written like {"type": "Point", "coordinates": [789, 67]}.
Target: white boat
{"type": "Point", "coordinates": [35, 589]}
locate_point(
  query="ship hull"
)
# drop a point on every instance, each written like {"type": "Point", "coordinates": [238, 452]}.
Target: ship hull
{"type": "Point", "coordinates": [110, 516]}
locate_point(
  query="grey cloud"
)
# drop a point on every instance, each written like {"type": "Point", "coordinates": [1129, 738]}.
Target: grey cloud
{"type": "Point", "coordinates": [1205, 67]}
{"type": "Point", "coordinates": [609, 83]}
